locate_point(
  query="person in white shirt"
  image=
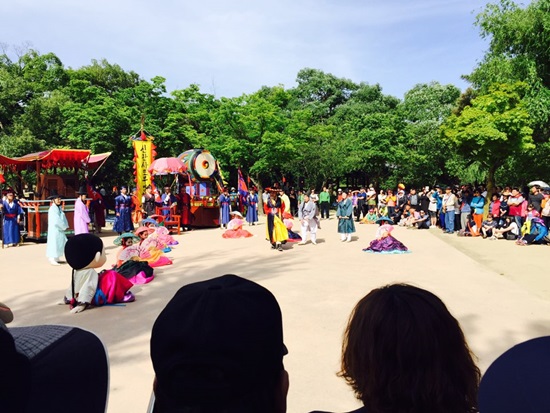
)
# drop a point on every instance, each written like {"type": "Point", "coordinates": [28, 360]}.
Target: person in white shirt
{"type": "Point", "coordinates": [449, 201]}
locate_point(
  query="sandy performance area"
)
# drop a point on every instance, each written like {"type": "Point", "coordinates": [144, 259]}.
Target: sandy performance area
{"type": "Point", "coordinates": [498, 291]}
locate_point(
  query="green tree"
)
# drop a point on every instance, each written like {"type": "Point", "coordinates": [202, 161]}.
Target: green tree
{"type": "Point", "coordinates": [421, 156]}
{"type": "Point", "coordinates": [492, 128]}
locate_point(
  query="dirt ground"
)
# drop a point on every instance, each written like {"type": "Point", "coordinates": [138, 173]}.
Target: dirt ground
{"type": "Point", "coordinates": [498, 291]}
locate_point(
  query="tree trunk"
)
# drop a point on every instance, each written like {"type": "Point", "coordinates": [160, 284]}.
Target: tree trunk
{"type": "Point", "coordinates": [490, 188]}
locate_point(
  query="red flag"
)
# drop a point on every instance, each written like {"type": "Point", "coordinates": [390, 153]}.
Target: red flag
{"type": "Point", "coordinates": [243, 189]}
{"type": "Point", "coordinates": [143, 136]}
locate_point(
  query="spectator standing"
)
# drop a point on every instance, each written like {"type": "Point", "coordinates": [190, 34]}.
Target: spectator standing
{"type": "Point", "coordinates": [477, 204]}
{"type": "Point", "coordinates": [293, 202]}
{"type": "Point", "coordinates": [448, 205]}
{"type": "Point", "coordinates": [371, 199]}
{"type": "Point", "coordinates": [361, 204]}
{"type": "Point", "coordinates": [324, 203]}
{"type": "Point", "coordinates": [536, 197]}
{"type": "Point", "coordinates": [545, 204]}
{"type": "Point", "coordinates": [465, 208]}
{"type": "Point", "coordinates": [412, 199]}
{"type": "Point", "coordinates": [514, 204]}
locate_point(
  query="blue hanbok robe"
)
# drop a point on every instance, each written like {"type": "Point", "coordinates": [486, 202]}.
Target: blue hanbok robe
{"type": "Point", "coordinates": [123, 220]}
{"type": "Point", "coordinates": [11, 234]}
{"type": "Point", "coordinates": [252, 208]}
{"type": "Point", "coordinates": [225, 207]}
{"type": "Point", "coordinates": [345, 212]}
{"type": "Point", "coordinates": [57, 224]}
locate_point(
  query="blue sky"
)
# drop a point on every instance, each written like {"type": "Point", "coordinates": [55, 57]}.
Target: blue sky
{"type": "Point", "coordinates": [235, 47]}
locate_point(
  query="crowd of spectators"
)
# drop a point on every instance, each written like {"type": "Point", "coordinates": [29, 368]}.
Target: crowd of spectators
{"type": "Point", "coordinates": [465, 210]}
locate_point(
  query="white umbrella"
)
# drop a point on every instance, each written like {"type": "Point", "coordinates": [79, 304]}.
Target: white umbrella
{"type": "Point", "coordinates": [542, 184]}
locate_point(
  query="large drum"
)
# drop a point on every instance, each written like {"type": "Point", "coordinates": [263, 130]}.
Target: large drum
{"type": "Point", "coordinates": [200, 164]}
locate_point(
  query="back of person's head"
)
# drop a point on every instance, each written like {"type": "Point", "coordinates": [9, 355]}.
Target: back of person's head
{"type": "Point", "coordinates": [15, 376]}
{"type": "Point", "coordinates": [404, 352]}
{"type": "Point", "coordinates": [218, 347]}
{"type": "Point", "coordinates": [518, 381]}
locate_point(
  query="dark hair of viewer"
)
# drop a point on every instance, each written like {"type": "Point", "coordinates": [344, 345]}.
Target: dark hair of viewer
{"type": "Point", "coordinates": [403, 352]}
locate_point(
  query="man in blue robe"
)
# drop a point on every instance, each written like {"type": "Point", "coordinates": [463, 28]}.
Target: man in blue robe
{"type": "Point", "coordinates": [224, 201]}
{"type": "Point", "coordinates": [252, 207]}
{"type": "Point", "coordinates": [12, 212]}
{"type": "Point", "coordinates": [123, 209]}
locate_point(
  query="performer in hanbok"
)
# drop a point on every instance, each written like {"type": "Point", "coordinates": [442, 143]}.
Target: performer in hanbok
{"type": "Point", "coordinates": [130, 247]}
{"type": "Point", "coordinates": [307, 214]}
{"type": "Point", "coordinates": [123, 209]}
{"type": "Point", "coordinates": [252, 207]}
{"type": "Point", "coordinates": [149, 248]}
{"type": "Point", "coordinates": [224, 201]}
{"type": "Point", "coordinates": [385, 243]}
{"type": "Point", "coordinates": [129, 263]}
{"type": "Point", "coordinates": [344, 213]}
{"type": "Point", "coordinates": [148, 202]}
{"type": "Point", "coordinates": [97, 207]}
{"type": "Point", "coordinates": [162, 234]}
{"type": "Point", "coordinates": [235, 227]}
{"type": "Point", "coordinates": [277, 234]}
{"type": "Point", "coordinates": [57, 224]}
{"type": "Point", "coordinates": [288, 220]}
{"type": "Point", "coordinates": [185, 209]}
{"type": "Point", "coordinates": [12, 214]}
{"type": "Point", "coordinates": [81, 213]}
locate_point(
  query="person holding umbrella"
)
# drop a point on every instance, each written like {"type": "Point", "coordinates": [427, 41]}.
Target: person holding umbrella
{"type": "Point", "coordinates": [385, 243]}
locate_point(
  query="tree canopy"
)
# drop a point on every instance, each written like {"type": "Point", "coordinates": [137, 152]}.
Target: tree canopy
{"type": "Point", "coordinates": [326, 129]}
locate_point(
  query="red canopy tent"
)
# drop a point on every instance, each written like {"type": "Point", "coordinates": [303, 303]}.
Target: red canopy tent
{"type": "Point", "coordinates": [64, 183]}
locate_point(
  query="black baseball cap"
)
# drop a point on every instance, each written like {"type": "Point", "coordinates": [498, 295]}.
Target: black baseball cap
{"type": "Point", "coordinates": [519, 380]}
{"type": "Point", "coordinates": [216, 341]}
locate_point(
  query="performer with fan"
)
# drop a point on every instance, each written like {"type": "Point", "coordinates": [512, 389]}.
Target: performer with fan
{"type": "Point", "coordinates": [235, 227]}
{"type": "Point", "coordinates": [385, 243]}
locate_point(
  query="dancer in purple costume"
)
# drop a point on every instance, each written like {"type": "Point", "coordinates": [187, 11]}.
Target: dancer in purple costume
{"type": "Point", "coordinates": [385, 243]}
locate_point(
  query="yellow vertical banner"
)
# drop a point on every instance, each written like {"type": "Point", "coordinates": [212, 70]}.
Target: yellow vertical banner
{"type": "Point", "coordinates": [143, 157]}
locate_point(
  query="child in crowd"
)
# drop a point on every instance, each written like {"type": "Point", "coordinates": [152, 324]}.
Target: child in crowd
{"type": "Point", "coordinates": [488, 226]}
{"type": "Point", "coordinates": [371, 217]}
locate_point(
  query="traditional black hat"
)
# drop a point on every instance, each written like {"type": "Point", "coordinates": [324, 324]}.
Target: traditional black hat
{"type": "Point", "coordinates": [54, 195]}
